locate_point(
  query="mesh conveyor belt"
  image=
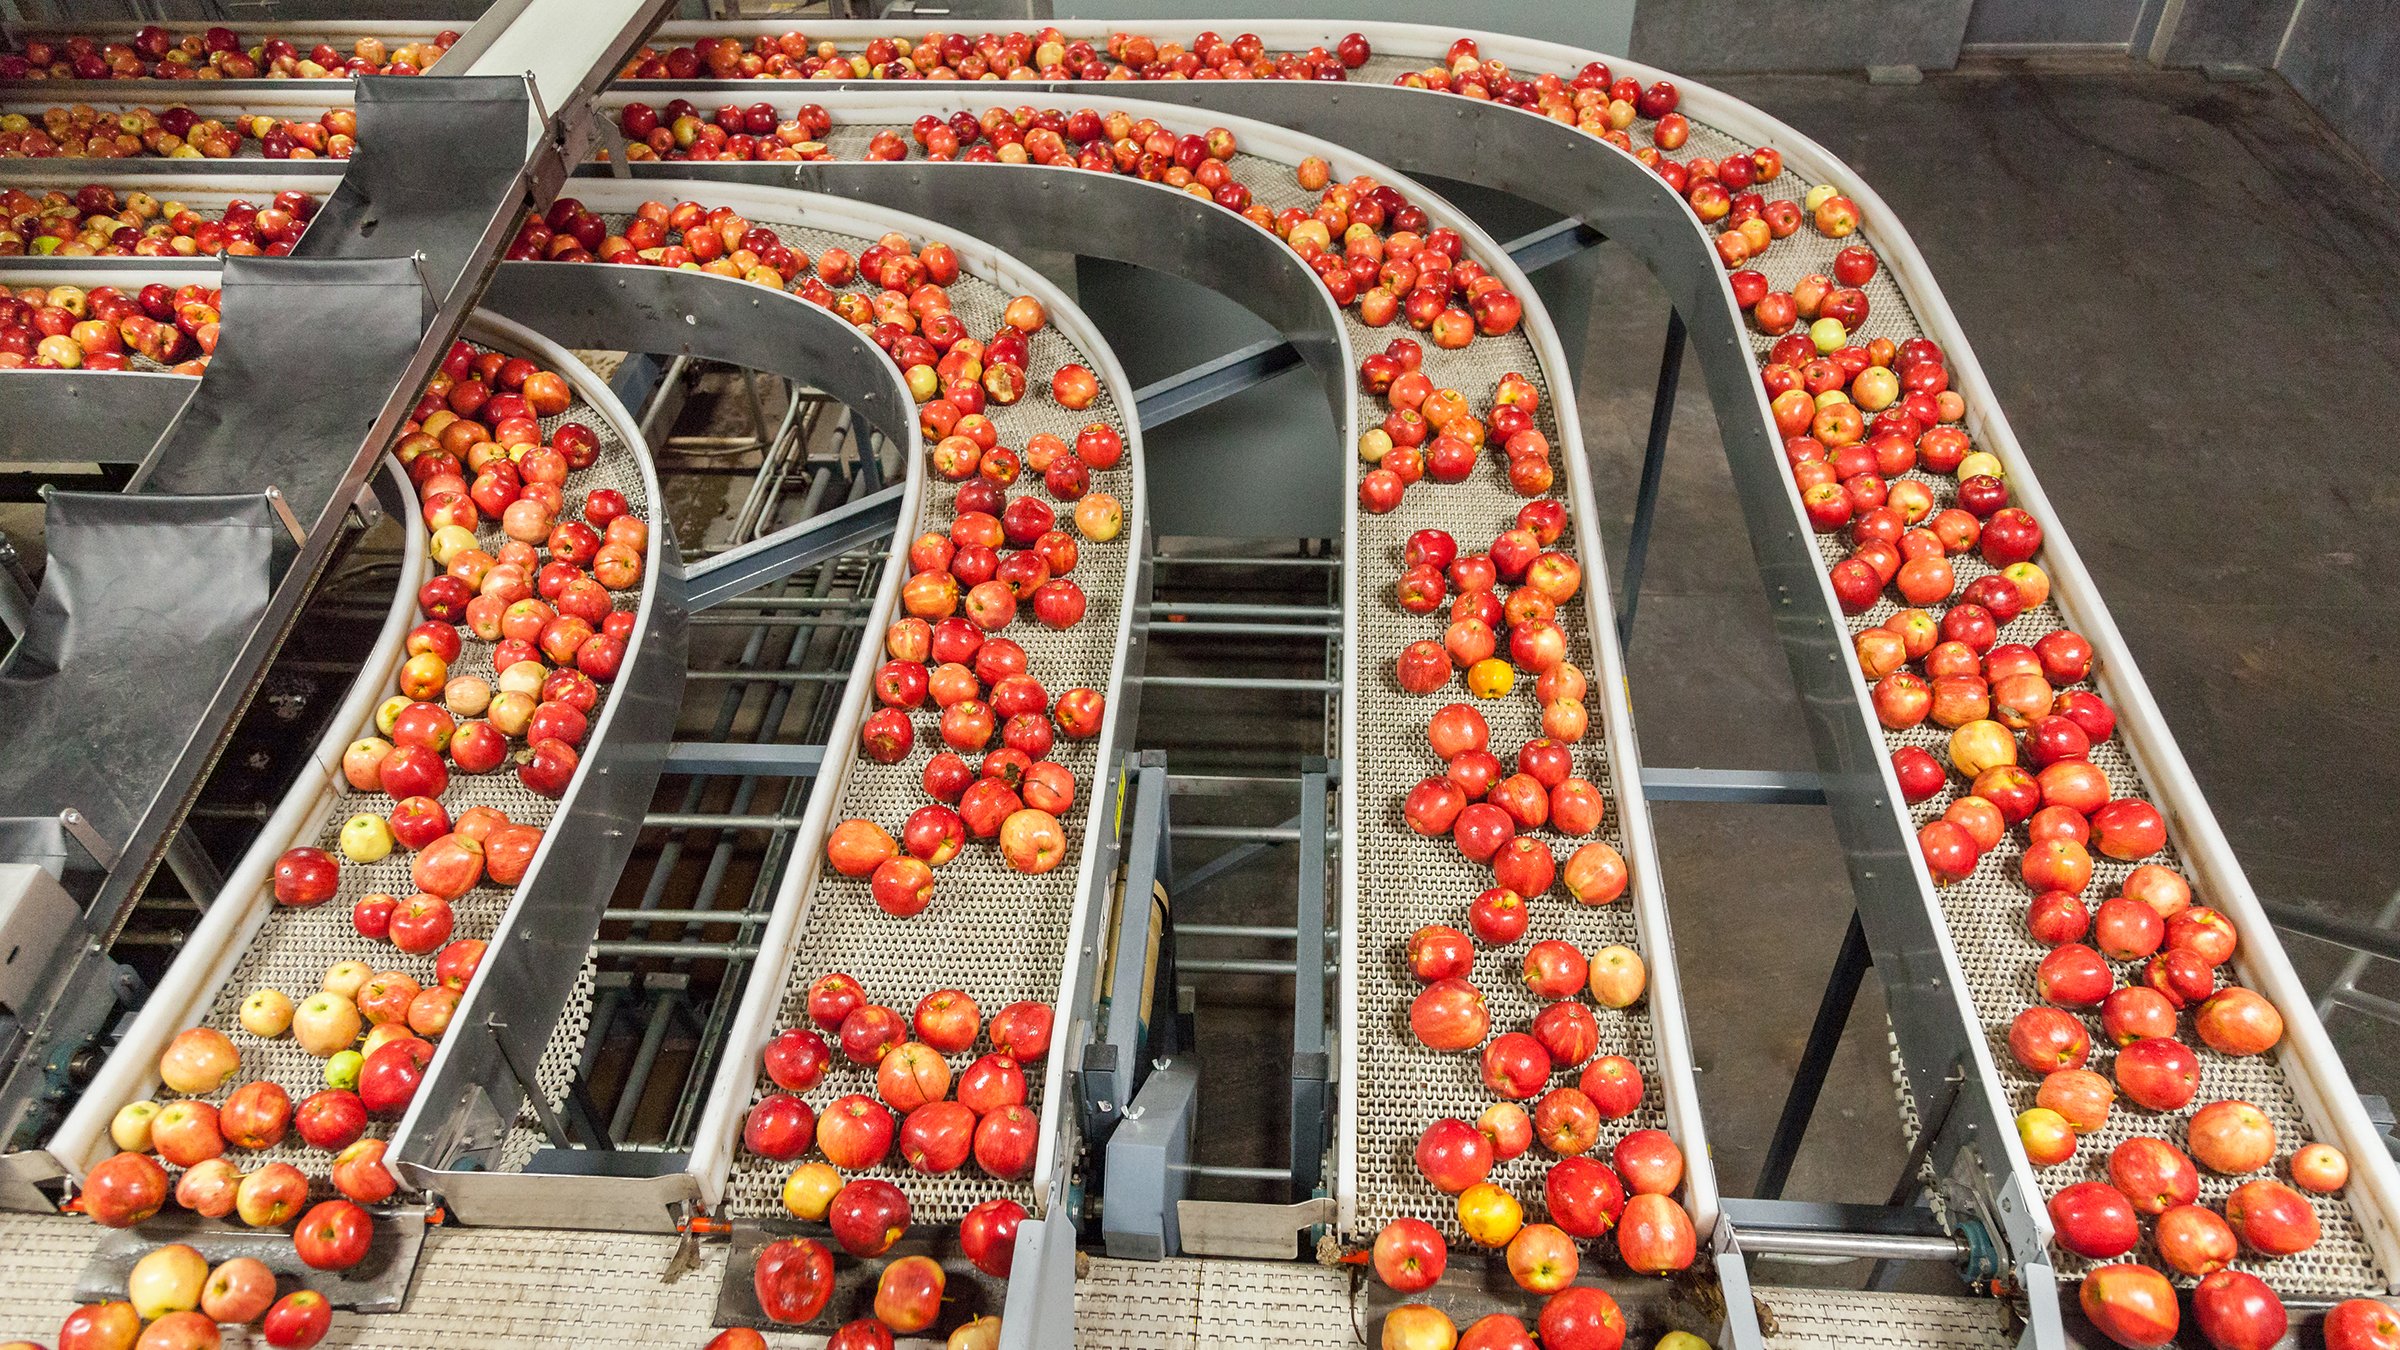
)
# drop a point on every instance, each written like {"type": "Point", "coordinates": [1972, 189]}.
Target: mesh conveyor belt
{"type": "Point", "coordinates": [1856, 1319]}
{"type": "Point", "coordinates": [1407, 881]}
{"type": "Point", "coordinates": [999, 935]}
{"type": "Point", "coordinates": [524, 1289]}
{"type": "Point", "coordinates": [293, 947]}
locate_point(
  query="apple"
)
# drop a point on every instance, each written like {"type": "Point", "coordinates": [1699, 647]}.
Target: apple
{"type": "Point", "coordinates": [2132, 1305]}
{"type": "Point", "coordinates": [2235, 1310]}
{"type": "Point", "coordinates": [1453, 1155]}
{"type": "Point", "coordinates": [333, 1235]}
{"type": "Point", "coordinates": [1508, 1127]}
{"type": "Point", "coordinates": [2080, 1095]}
{"type": "Point", "coordinates": [2153, 1174]}
{"type": "Point", "coordinates": [1022, 1031]}
{"type": "Point", "coordinates": [1541, 1259]}
{"type": "Point", "coordinates": [1554, 970]}
{"type": "Point", "coordinates": [2158, 1072]}
{"type": "Point", "coordinates": [1409, 1255]}
{"type": "Point", "coordinates": [1618, 977]}
{"type": "Point", "coordinates": [990, 1083]}
{"type": "Point", "coordinates": [2044, 1040]}
{"type": "Point", "coordinates": [2128, 829]}
{"type": "Point", "coordinates": [239, 1291]}
{"type": "Point", "coordinates": [306, 877]}
{"type": "Point", "coordinates": [1414, 1326]}
{"type": "Point", "coordinates": [1515, 1066]}
{"type": "Point", "coordinates": [793, 1278]}
{"type": "Point", "coordinates": [388, 1080]}
{"type": "Point", "coordinates": [2094, 1219]}
{"type": "Point", "coordinates": [100, 1326]}
{"type": "Point", "coordinates": [2231, 1137]}
{"type": "Point", "coordinates": [1568, 1032]}
{"type": "Point", "coordinates": [167, 1279]}
{"type": "Point", "coordinates": [2047, 1136]}
{"type": "Point", "coordinates": [988, 1236]}
{"type": "Point", "coordinates": [2135, 1012]}
{"type": "Point", "coordinates": [908, 1295]}
{"type": "Point", "coordinates": [1566, 1121]}
{"type": "Point", "coordinates": [2072, 975]}
{"type": "Point", "coordinates": [2271, 1218]}
{"type": "Point", "coordinates": [808, 1192]}
{"type": "Point", "coordinates": [868, 1216]}
{"type": "Point", "coordinates": [186, 1132]}
{"type": "Point", "coordinates": [2320, 1168]}
{"type": "Point", "coordinates": [270, 1196]}
{"type": "Point", "coordinates": [1439, 952]}
{"type": "Point", "coordinates": [855, 1132]}
{"type": "Point", "coordinates": [331, 1119]}
{"type": "Point", "coordinates": [1654, 1235]}
{"type": "Point", "coordinates": [1582, 1318]}
{"type": "Point", "coordinates": [325, 1023]}
{"type": "Point", "coordinates": [2362, 1324]}
{"type": "Point", "coordinates": [123, 1189]}
{"type": "Point", "coordinates": [1449, 1015]}
{"type": "Point", "coordinates": [1583, 1196]}
{"type": "Point", "coordinates": [2193, 1240]}
{"type": "Point", "coordinates": [1489, 1215]}
{"type": "Point", "coordinates": [198, 1061]}
{"type": "Point", "coordinates": [129, 1128]}
{"type": "Point", "coordinates": [256, 1116]}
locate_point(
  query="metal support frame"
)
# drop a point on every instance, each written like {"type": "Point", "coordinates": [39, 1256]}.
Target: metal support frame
{"type": "Point", "coordinates": [1654, 468]}
{"type": "Point", "coordinates": [738, 571]}
{"type": "Point", "coordinates": [1214, 381]}
{"type": "Point", "coordinates": [1135, 1027]}
{"type": "Point", "coordinates": [1816, 1058]}
{"type": "Point", "coordinates": [1312, 1065]}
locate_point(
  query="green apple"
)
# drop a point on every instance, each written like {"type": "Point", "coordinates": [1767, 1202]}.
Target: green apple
{"type": "Point", "coordinates": [130, 1129]}
{"type": "Point", "coordinates": [1681, 1340]}
{"type": "Point", "coordinates": [267, 1013]}
{"type": "Point", "coordinates": [366, 838]}
{"type": "Point", "coordinates": [341, 1071]}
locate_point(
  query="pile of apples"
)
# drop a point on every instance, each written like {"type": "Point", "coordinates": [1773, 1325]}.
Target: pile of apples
{"type": "Point", "coordinates": [95, 221]}
{"type": "Point", "coordinates": [85, 132]}
{"type": "Point", "coordinates": [1431, 432]}
{"type": "Point", "coordinates": [153, 53]}
{"type": "Point", "coordinates": [174, 1300]}
{"type": "Point", "coordinates": [1409, 273]}
{"type": "Point", "coordinates": [1873, 444]}
{"type": "Point", "coordinates": [70, 328]}
{"type": "Point", "coordinates": [940, 1123]}
{"type": "Point", "coordinates": [1046, 54]}
{"type": "Point", "coordinates": [965, 587]}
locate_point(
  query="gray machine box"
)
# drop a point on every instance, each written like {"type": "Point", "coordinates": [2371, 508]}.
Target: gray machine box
{"type": "Point", "coordinates": [37, 921]}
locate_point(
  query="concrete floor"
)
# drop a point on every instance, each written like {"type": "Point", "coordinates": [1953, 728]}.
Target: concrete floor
{"type": "Point", "coordinates": [2205, 376]}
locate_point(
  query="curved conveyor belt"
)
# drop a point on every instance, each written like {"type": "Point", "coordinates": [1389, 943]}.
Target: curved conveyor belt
{"type": "Point", "coordinates": [1967, 938]}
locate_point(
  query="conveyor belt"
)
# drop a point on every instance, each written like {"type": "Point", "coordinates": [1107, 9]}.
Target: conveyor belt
{"type": "Point", "coordinates": [1797, 1318]}
{"type": "Point", "coordinates": [251, 943]}
{"type": "Point", "coordinates": [1001, 936]}
{"type": "Point", "coordinates": [1395, 1086]}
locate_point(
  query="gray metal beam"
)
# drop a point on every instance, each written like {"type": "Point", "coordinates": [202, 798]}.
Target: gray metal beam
{"type": "Point", "coordinates": [737, 572]}
{"type": "Point", "coordinates": [1553, 243]}
{"type": "Point", "coordinates": [727, 759]}
{"type": "Point", "coordinates": [1753, 787]}
{"type": "Point", "coordinates": [1212, 381]}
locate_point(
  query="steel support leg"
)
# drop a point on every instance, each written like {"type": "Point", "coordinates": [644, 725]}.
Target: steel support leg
{"type": "Point", "coordinates": [1654, 467]}
{"type": "Point", "coordinates": [1312, 1067]}
{"type": "Point", "coordinates": [1816, 1060]}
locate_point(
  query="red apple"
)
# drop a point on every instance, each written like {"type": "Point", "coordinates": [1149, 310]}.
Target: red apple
{"type": "Point", "coordinates": [1410, 1255]}
{"type": "Point", "coordinates": [2131, 1305]}
{"type": "Point", "coordinates": [2153, 1174]}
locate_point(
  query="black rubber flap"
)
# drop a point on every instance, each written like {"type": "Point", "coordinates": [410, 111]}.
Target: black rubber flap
{"type": "Point", "coordinates": [310, 354]}
{"type": "Point", "coordinates": [145, 604]}
{"type": "Point", "coordinates": [445, 203]}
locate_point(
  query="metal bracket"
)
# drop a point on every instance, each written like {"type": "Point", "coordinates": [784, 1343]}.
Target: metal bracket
{"type": "Point", "coordinates": [584, 1119]}
{"type": "Point", "coordinates": [283, 512]}
{"type": "Point", "coordinates": [82, 832]}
